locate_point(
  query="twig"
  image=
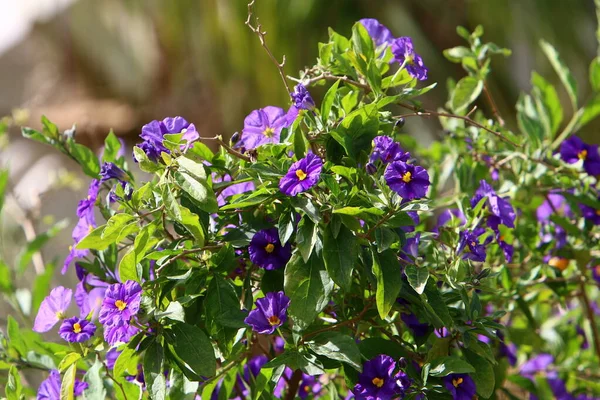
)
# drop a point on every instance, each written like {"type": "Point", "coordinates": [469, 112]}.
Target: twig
{"type": "Point", "coordinates": [429, 113]}
{"type": "Point", "coordinates": [490, 100]}
{"type": "Point", "coordinates": [293, 385]}
{"type": "Point", "coordinates": [330, 77]}
{"type": "Point", "coordinates": [591, 318]}
{"type": "Point", "coordinates": [220, 142]}
{"type": "Point", "coordinates": [261, 37]}
{"type": "Point", "coordinates": [340, 324]}
{"type": "Point", "coordinates": [185, 253]}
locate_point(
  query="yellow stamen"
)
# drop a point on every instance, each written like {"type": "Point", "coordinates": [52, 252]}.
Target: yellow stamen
{"type": "Point", "coordinates": [274, 320]}
{"type": "Point", "coordinates": [473, 244]}
{"type": "Point", "coordinates": [77, 327]}
{"type": "Point", "coordinates": [307, 388]}
{"type": "Point", "coordinates": [559, 262]}
{"type": "Point", "coordinates": [269, 248]}
{"type": "Point", "coordinates": [410, 60]}
{"type": "Point", "coordinates": [120, 305]}
{"type": "Point", "coordinates": [597, 269]}
{"type": "Point", "coordinates": [90, 229]}
{"type": "Point", "coordinates": [407, 177]}
{"type": "Point", "coordinates": [457, 381]}
{"type": "Point", "coordinates": [60, 315]}
{"type": "Point", "coordinates": [378, 382]}
{"type": "Point", "coordinates": [582, 155]}
{"type": "Point", "coordinates": [269, 132]}
{"type": "Point", "coordinates": [301, 174]}
{"type": "Point", "coordinates": [597, 212]}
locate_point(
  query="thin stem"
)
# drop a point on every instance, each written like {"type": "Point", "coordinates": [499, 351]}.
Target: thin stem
{"type": "Point", "coordinates": [591, 317]}
{"type": "Point", "coordinates": [490, 100]}
{"type": "Point", "coordinates": [340, 324]}
{"type": "Point", "coordinates": [220, 142]}
{"type": "Point", "coordinates": [261, 37]}
{"type": "Point", "coordinates": [429, 113]}
{"type": "Point", "coordinates": [185, 253]}
{"type": "Point", "coordinates": [293, 385]}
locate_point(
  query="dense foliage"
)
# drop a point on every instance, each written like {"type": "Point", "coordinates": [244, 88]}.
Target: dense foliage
{"type": "Point", "coordinates": [322, 253]}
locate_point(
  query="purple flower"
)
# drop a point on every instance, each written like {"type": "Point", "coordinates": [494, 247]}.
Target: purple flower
{"type": "Point", "coordinates": [590, 214]}
{"type": "Point", "coordinates": [266, 251]}
{"type": "Point", "coordinates": [378, 381]}
{"type": "Point", "coordinates": [118, 330]}
{"type": "Point", "coordinates": [554, 204]}
{"type": "Point", "coordinates": [506, 248]}
{"type": "Point", "coordinates": [111, 357]}
{"type": "Point", "coordinates": [111, 171]}
{"type": "Point", "coordinates": [502, 212]}
{"type": "Point", "coordinates": [122, 302]}
{"type": "Point", "coordinates": [90, 302]}
{"type": "Point", "coordinates": [309, 385]}
{"type": "Point", "coordinates": [404, 53]}
{"type": "Point", "coordinates": [251, 371]}
{"type": "Point", "coordinates": [538, 363]}
{"type": "Point", "coordinates": [379, 33]}
{"type": "Point", "coordinates": [231, 190]}
{"type": "Point", "coordinates": [386, 150]}
{"type": "Point", "coordinates": [153, 135]}
{"type": "Point", "coordinates": [460, 386]}
{"type": "Point", "coordinates": [76, 330]}
{"type": "Point", "coordinates": [574, 149]}
{"type": "Point", "coordinates": [302, 175]}
{"type": "Point", "coordinates": [50, 388]}
{"type": "Point", "coordinates": [448, 215]}
{"type": "Point", "coordinates": [269, 314]}
{"type": "Point", "coordinates": [418, 328]}
{"type": "Point", "coordinates": [596, 272]}
{"type": "Point", "coordinates": [470, 247]}
{"type": "Point", "coordinates": [263, 126]}
{"type": "Point", "coordinates": [302, 98]}
{"type": "Point", "coordinates": [86, 206]}
{"type": "Point", "coordinates": [410, 250]}
{"type": "Point", "coordinates": [52, 309]}
{"type": "Point", "coordinates": [409, 181]}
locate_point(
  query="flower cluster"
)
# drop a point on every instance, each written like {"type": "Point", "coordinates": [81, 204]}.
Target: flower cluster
{"type": "Point", "coordinates": [154, 133]}
{"type": "Point", "coordinates": [381, 379]}
{"type": "Point", "coordinates": [119, 308]}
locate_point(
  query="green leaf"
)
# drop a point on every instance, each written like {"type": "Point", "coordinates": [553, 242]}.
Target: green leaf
{"type": "Point", "coordinates": [484, 377]}
{"type": "Point", "coordinates": [13, 387]}
{"type": "Point", "coordinates": [94, 240]}
{"type": "Point", "coordinates": [436, 303]}
{"type": "Point", "coordinates": [156, 383]}
{"type": "Point", "coordinates": [3, 185]}
{"type": "Point", "coordinates": [546, 93]}
{"type": "Point", "coordinates": [595, 74]}
{"type": "Point", "coordinates": [374, 77]}
{"type": "Point", "coordinates": [362, 43]}
{"type": "Point", "coordinates": [562, 70]}
{"type": "Point", "coordinates": [417, 277]}
{"type": "Point", "coordinates": [590, 111]}
{"type": "Point", "coordinates": [198, 190]}
{"type": "Point", "coordinates": [222, 305]}
{"type": "Point", "coordinates": [144, 162]}
{"type": "Point", "coordinates": [86, 158]}
{"type": "Point", "coordinates": [93, 378]}
{"type": "Point", "coordinates": [337, 346]}
{"type": "Point", "coordinates": [328, 100]}
{"type": "Point", "coordinates": [450, 365]}
{"type": "Point", "coordinates": [339, 255]}
{"type": "Point", "coordinates": [112, 145]}
{"type": "Point", "coordinates": [144, 241]}
{"type": "Point", "coordinates": [192, 167]}
{"type": "Point", "coordinates": [68, 360]}
{"type": "Point", "coordinates": [297, 360]}
{"type": "Point", "coordinates": [192, 349]}
{"type": "Point", "coordinates": [183, 215]}
{"type": "Point", "coordinates": [299, 142]}
{"type": "Point", "coordinates": [386, 269]}
{"type": "Point", "coordinates": [467, 90]}
{"type": "Point", "coordinates": [174, 311]}
{"type": "Point", "coordinates": [119, 226]}
{"type": "Point", "coordinates": [126, 363]}
{"type": "Point", "coordinates": [456, 54]}
{"type": "Point", "coordinates": [308, 285]}
{"type": "Point", "coordinates": [68, 383]}
{"type": "Point", "coordinates": [24, 257]}
{"type": "Point", "coordinates": [306, 237]}
{"type": "Point", "coordinates": [285, 227]}
{"type": "Point", "coordinates": [529, 120]}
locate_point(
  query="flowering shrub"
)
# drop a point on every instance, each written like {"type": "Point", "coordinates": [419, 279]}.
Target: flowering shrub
{"type": "Point", "coordinates": [324, 254]}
